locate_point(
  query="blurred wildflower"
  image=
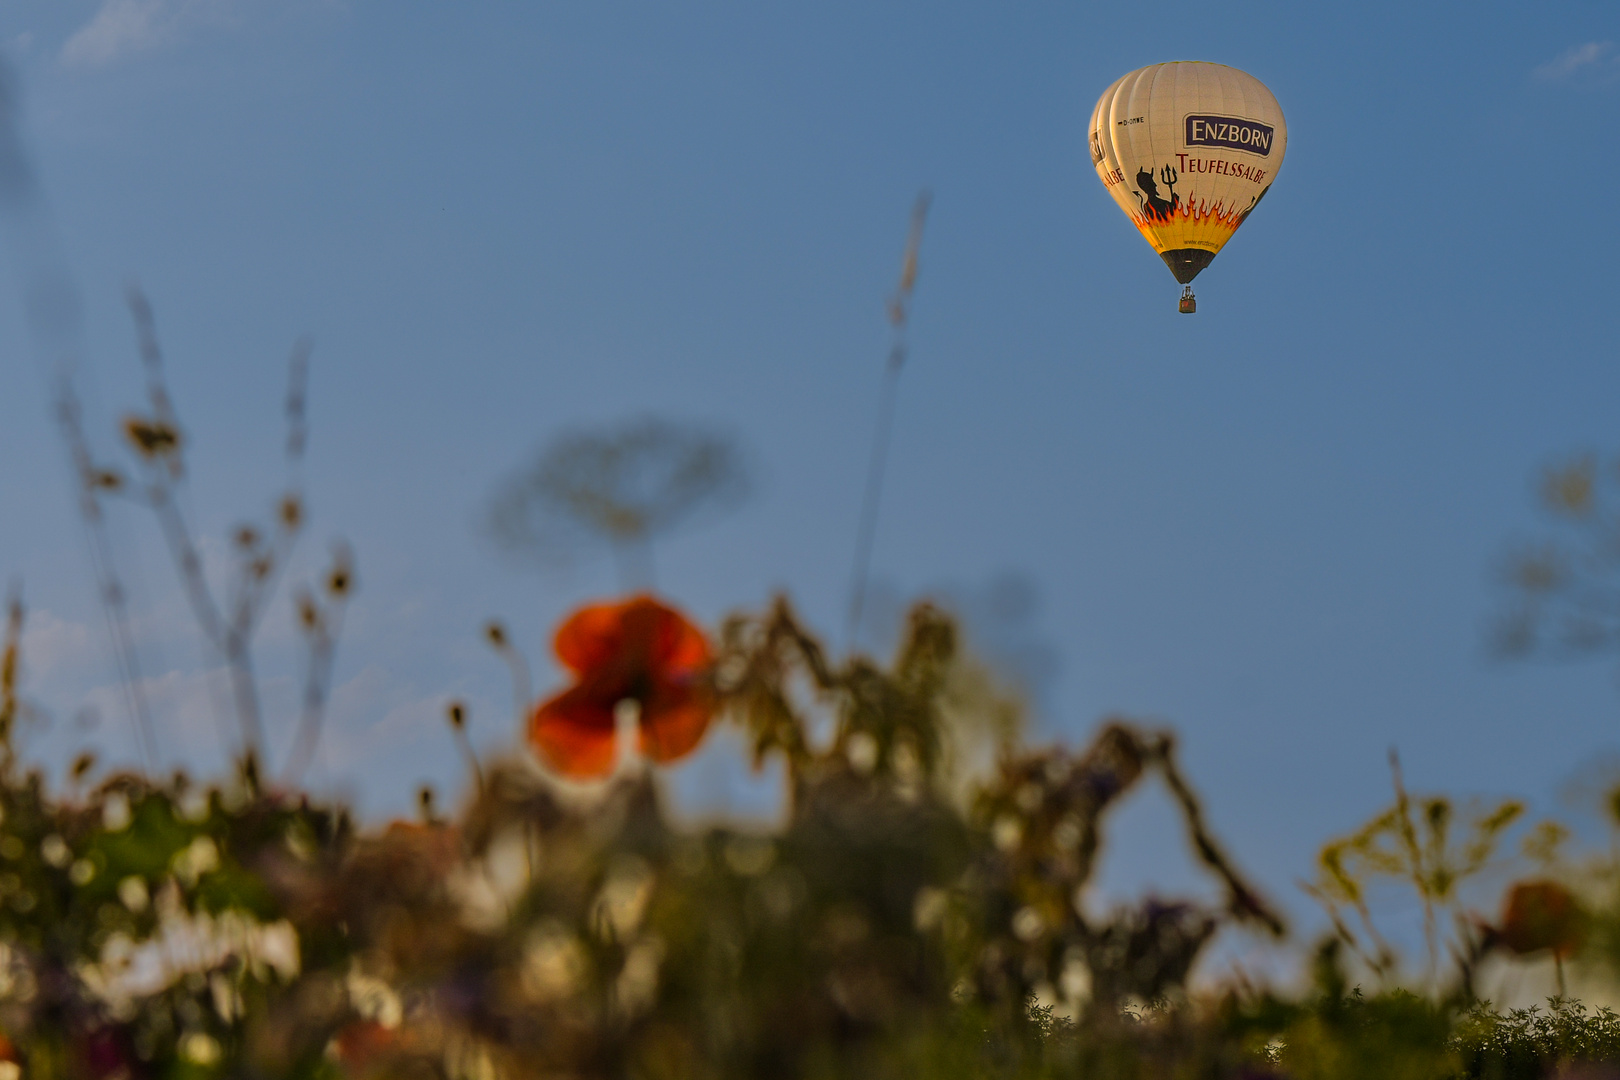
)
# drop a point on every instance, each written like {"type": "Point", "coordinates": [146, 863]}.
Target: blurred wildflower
{"type": "Point", "coordinates": [623, 485]}
{"type": "Point", "coordinates": [1563, 590]}
{"type": "Point", "coordinates": [1415, 841]}
{"type": "Point", "coordinates": [638, 651]}
{"type": "Point", "coordinates": [1539, 916]}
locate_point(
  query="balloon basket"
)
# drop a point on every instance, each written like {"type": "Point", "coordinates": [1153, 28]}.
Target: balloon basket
{"type": "Point", "coordinates": [1189, 303]}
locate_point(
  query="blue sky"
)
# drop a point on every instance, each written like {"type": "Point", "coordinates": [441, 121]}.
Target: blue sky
{"type": "Point", "coordinates": [1274, 526]}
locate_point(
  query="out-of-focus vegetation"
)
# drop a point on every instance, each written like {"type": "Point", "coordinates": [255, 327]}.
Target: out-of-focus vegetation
{"type": "Point", "coordinates": [912, 917]}
{"type": "Point", "coordinates": [925, 909]}
{"type": "Point", "coordinates": [621, 487]}
{"type": "Point", "coordinates": [1564, 590]}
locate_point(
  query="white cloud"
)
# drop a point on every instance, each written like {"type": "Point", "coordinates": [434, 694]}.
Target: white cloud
{"type": "Point", "coordinates": [1581, 57]}
{"type": "Point", "coordinates": [122, 27]}
{"type": "Point", "coordinates": [50, 643]}
{"type": "Point", "coordinates": [354, 733]}
{"type": "Point", "coordinates": [192, 710]}
{"type": "Point", "coordinates": [119, 27]}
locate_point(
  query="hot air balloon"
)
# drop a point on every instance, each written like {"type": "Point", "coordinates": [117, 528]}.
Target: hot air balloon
{"type": "Point", "coordinates": [1187, 149]}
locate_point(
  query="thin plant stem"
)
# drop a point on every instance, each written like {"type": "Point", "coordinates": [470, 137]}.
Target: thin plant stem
{"type": "Point", "coordinates": [90, 483]}
{"type": "Point", "coordinates": [230, 626]}
{"type": "Point", "coordinates": [1414, 851]}
{"type": "Point", "coordinates": [1245, 902]}
{"type": "Point", "coordinates": [53, 308]}
{"type": "Point", "coordinates": [882, 435]}
{"type": "Point", "coordinates": [866, 531]}
{"type": "Point", "coordinates": [458, 716]}
{"type": "Point", "coordinates": [317, 683]}
{"type": "Point", "coordinates": [522, 686]}
{"type": "Point", "coordinates": [322, 626]}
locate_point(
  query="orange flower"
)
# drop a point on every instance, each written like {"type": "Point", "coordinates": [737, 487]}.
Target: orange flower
{"type": "Point", "coordinates": [633, 650]}
{"type": "Point", "coordinates": [1541, 915]}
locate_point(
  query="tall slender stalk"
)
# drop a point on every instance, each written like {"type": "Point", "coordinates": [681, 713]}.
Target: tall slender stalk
{"type": "Point", "coordinates": [899, 315]}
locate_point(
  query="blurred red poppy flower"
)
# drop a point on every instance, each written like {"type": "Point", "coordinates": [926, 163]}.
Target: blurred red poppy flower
{"type": "Point", "coordinates": [633, 650]}
{"type": "Point", "coordinates": [1539, 915]}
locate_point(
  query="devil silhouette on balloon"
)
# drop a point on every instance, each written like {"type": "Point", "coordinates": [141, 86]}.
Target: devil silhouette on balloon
{"type": "Point", "coordinates": [1147, 196]}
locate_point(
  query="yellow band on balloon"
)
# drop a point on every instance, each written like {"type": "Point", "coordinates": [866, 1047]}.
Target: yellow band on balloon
{"type": "Point", "coordinates": [1181, 229]}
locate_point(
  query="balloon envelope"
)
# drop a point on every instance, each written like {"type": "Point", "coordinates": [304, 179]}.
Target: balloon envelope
{"type": "Point", "coordinates": [1187, 149]}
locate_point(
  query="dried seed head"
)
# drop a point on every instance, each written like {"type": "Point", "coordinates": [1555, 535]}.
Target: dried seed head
{"type": "Point", "coordinates": [1571, 490]}
{"type": "Point", "coordinates": [152, 439]}
{"type": "Point", "coordinates": [83, 764]}
{"type": "Point", "coordinates": [309, 616]}
{"type": "Point", "coordinates": [340, 579]}
{"type": "Point", "coordinates": [458, 715]}
{"type": "Point", "coordinates": [246, 537]}
{"type": "Point", "coordinates": [106, 480]}
{"type": "Point", "coordinates": [290, 512]}
{"type": "Point", "coordinates": [496, 633]}
{"type": "Point", "coordinates": [425, 802]}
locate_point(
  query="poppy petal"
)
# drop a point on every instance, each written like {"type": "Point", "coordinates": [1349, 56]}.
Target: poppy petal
{"type": "Point", "coordinates": [658, 635]}
{"type": "Point", "coordinates": [681, 647]}
{"type": "Point", "coordinates": [591, 636]}
{"type": "Point", "coordinates": [574, 733]}
{"type": "Point", "coordinates": [1542, 915]}
{"type": "Point", "coordinates": [673, 720]}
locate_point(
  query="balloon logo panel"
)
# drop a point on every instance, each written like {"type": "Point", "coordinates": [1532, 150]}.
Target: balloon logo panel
{"type": "Point", "coordinates": [1187, 150]}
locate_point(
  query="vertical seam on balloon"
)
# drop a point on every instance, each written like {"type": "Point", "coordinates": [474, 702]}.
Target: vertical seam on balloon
{"type": "Point", "coordinates": [1128, 138]}
{"type": "Point", "coordinates": [1242, 85]}
{"type": "Point", "coordinates": [1153, 150]}
{"type": "Point", "coordinates": [1109, 146]}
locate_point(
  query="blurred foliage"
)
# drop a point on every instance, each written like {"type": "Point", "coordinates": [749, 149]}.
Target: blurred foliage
{"type": "Point", "coordinates": [622, 486]}
{"type": "Point", "coordinates": [1564, 591]}
{"type": "Point", "coordinates": [1414, 842]}
{"type": "Point", "coordinates": [913, 916]}
{"type": "Point", "coordinates": [926, 907]}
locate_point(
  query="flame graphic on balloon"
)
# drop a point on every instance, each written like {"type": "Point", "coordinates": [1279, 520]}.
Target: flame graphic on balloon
{"type": "Point", "coordinates": [1191, 224]}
